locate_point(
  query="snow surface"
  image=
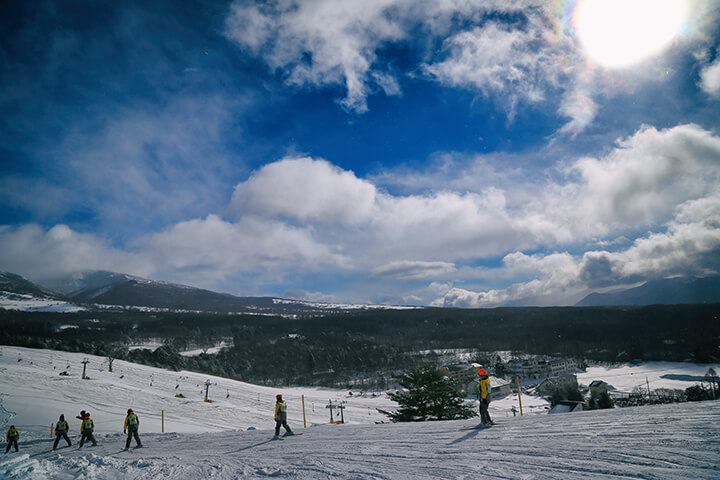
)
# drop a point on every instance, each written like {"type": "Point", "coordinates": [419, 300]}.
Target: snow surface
{"type": "Point", "coordinates": [231, 437]}
{"type": "Point", "coordinates": [625, 378]}
{"type": "Point", "coordinates": [31, 303]}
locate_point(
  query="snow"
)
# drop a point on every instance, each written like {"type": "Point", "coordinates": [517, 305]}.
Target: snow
{"type": "Point", "coordinates": [625, 378]}
{"type": "Point", "coordinates": [30, 303]}
{"type": "Point", "coordinates": [230, 438]}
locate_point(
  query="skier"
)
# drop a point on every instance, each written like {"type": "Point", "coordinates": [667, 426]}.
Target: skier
{"type": "Point", "coordinates": [132, 422]}
{"type": "Point", "coordinates": [61, 430]}
{"type": "Point", "coordinates": [12, 438]}
{"type": "Point", "coordinates": [485, 397]}
{"type": "Point", "coordinates": [281, 416]}
{"type": "Point", "coordinates": [86, 428]}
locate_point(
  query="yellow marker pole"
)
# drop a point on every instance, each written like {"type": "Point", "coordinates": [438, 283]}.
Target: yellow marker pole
{"type": "Point", "coordinates": [303, 404]}
{"type": "Point", "coordinates": [517, 380]}
{"type": "Point", "coordinates": [162, 422]}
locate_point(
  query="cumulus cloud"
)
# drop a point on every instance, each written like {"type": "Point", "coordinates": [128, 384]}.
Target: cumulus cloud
{"type": "Point", "coordinates": [212, 249]}
{"type": "Point", "coordinates": [41, 254]}
{"type": "Point", "coordinates": [305, 189]}
{"type": "Point", "coordinates": [710, 78]}
{"type": "Point", "coordinates": [648, 208]}
{"type": "Point", "coordinates": [643, 179]}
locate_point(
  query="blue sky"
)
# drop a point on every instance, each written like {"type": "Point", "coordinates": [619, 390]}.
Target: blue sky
{"type": "Point", "coordinates": [457, 152]}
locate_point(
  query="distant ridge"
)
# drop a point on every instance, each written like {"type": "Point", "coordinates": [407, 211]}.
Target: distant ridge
{"type": "Point", "coordinates": [119, 289]}
{"type": "Point", "coordinates": [669, 291]}
{"type": "Point", "coordinates": [13, 283]}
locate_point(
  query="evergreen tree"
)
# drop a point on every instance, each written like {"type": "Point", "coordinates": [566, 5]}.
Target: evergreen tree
{"type": "Point", "coordinates": [428, 395]}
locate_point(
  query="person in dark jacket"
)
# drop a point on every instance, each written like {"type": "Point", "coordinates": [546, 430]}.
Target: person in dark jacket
{"type": "Point", "coordinates": [12, 438]}
{"type": "Point", "coordinates": [86, 428]}
{"type": "Point", "coordinates": [281, 416]}
{"type": "Point", "coordinates": [132, 422]}
{"type": "Point", "coordinates": [61, 431]}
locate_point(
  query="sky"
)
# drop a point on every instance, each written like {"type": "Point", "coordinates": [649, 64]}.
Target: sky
{"type": "Point", "coordinates": [459, 153]}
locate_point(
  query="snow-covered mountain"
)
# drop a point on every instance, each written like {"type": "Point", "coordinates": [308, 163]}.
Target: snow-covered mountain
{"type": "Point", "coordinates": [119, 289]}
{"type": "Point", "coordinates": [231, 437]}
{"type": "Point", "coordinates": [12, 283]}
{"type": "Point", "coordinates": [19, 293]}
{"type": "Point", "coordinates": [660, 292]}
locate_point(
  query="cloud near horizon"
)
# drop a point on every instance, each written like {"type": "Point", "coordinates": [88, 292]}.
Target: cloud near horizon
{"type": "Point", "coordinates": [300, 215]}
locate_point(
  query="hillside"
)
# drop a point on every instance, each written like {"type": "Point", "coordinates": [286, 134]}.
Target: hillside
{"type": "Point", "coordinates": [669, 291]}
{"type": "Point", "coordinates": [231, 437]}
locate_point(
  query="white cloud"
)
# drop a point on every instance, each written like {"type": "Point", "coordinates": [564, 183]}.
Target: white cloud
{"type": "Point", "coordinates": [329, 42]}
{"type": "Point", "coordinates": [413, 269]}
{"type": "Point", "coordinates": [38, 254]}
{"type": "Point", "coordinates": [499, 59]}
{"type": "Point", "coordinates": [307, 190]}
{"type": "Point", "coordinates": [641, 181]}
{"type": "Point", "coordinates": [213, 249]}
{"type": "Point", "coordinates": [657, 190]}
{"type": "Point", "coordinates": [710, 78]}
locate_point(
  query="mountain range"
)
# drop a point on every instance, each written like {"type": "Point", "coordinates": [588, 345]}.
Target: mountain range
{"type": "Point", "coordinates": [103, 288]}
{"type": "Point", "coordinates": [111, 289]}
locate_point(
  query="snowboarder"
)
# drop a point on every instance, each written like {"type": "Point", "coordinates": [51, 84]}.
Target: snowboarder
{"type": "Point", "coordinates": [12, 438]}
{"type": "Point", "coordinates": [485, 397]}
{"type": "Point", "coordinates": [86, 428]}
{"type": "Point", "coordinates": [281, 416]}
{"type": "Point", "coordinates": [132, 422]}
{"type": "Point", "coordinates": [61, 430]}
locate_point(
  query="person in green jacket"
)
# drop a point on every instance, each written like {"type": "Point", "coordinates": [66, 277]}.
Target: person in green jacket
{"type": "Point", "coordinates": [281, 416]}
{"type": "Point", "coordinates": [132, 422]}
{"type": "Point", "coordinates": [485, 397]}
{"type": "Point", "coordinates": [61, 430]}
{"type": "Point", "coordinates": [86, 428]}
{"type": "Point", "coordinates": [12, 438]}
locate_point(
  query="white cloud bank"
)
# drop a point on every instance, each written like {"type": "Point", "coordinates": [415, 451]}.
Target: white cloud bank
{"type": "Point", "coordinates": [298, 216]}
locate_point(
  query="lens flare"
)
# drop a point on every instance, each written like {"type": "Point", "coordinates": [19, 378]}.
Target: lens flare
{"type": "Point", "coordinates": [619, 33]}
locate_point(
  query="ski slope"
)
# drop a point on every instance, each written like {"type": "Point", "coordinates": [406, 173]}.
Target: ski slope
{"type": "Point", "coordinates": [231, 437]}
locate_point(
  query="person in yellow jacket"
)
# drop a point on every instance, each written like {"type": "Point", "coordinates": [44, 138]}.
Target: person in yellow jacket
{"type": "Point", "coordinates": [132, 422]}
{"type": "Point", "coordinates": [61, 430]}
{"type": "Point", "coordinates": [86, 429]}
{"type": "Point", "coordinates": [281, 416]}
{"type": "Point", "coordinates": [485, 396]}
{"type": "Point", "coordinates": [12, 438]}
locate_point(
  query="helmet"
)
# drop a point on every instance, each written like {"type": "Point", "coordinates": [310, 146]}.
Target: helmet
{"type": "Point", "coordinates": [278, 396]}
{"type": "Point", "coordinates": [129, 411]}
{"type": "Point", "coordinates": [482, 372]}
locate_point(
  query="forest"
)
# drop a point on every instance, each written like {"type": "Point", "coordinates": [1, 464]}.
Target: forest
{"type": "Point", "coordinates": [370, 347]}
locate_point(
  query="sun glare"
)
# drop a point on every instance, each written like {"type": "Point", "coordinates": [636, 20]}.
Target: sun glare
{"type": "Point", "coordinates": [619, 33]}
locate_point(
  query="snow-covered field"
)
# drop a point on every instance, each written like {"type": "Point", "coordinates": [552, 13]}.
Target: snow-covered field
{"type": "Point", "coordinates": [30, 303]}
{"type": "Point", "coordinates": [231, 437]}
{"type": "Point", "coordinates": [625, 378]}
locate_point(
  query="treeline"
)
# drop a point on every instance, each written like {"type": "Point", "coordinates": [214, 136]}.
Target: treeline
{"type": "Point", "coordinates": [372, 346]}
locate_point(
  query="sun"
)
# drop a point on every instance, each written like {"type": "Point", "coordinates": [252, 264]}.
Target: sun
{"type": "Point", "coordinates": [619, 33]}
